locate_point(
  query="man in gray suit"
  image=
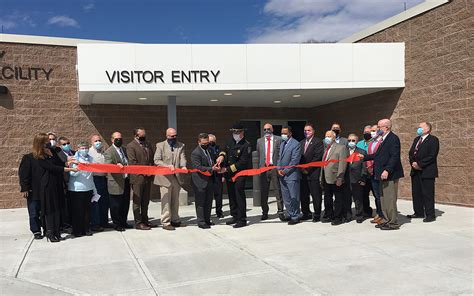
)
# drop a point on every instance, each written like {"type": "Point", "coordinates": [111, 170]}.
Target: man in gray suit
{"type": "Point", "coordinates": [268, 151]}
{"type": "Point", "coordinates": [170, 153]}
{"type": "Point", "coordinates": [290, 155]}
{"type": "Point", "coordinates": [118, 185]}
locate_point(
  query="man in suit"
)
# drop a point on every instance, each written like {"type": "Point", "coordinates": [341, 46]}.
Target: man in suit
{"type": "Point", "coordinates": [140, 152]}
{"type": "Point", "coordinates": [332, 180]}
{"type": "Point", "coordinates": [268, 149]}
{"type": "Point", "coordinates": [118, 185]}
{"type": "Point", "coordinates": [170, 153]}
{"type": "Point", "coordinates": [217, 178]}
{"type": "Point", "coordinates": [65, 153]}
{"type": "Point", "coordinates": [290, 155]}
{"type": "Point", "coordinates": [423, 156]}
{"type": "Point", "coordinates": [312, 148]}
{"type": "Point", "coordinates": [233, 158]}
{"type": "Point", "coordinates": [388, 169]}
{"type": "Point", "coordinates": [201, 159]}
{"type": "Point", "coordinates": [336, 128]}
{"type": "Point", "coordinates": [357, 172]}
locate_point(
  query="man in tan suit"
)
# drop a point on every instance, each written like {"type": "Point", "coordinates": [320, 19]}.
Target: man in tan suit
{"type": "Point", "coordinates": [170, 153]}
{"type": "Point", "coordinates": [332, 179]}
{"type": "Point", "coordinates": [140, 152]}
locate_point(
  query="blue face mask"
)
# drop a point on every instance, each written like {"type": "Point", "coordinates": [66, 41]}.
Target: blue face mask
{"type": "Point", "coordinates": [419, 131]}
{"type": "Point", "coordinates": [351, 145]}
{"type": "Point", "coordinates": [379, 132]}
{"type": "Point", "coordinates": [84, 152]}
{"type": "Point", "coordinates": [284, 137]}
{"type": "Point", "coordinates": [98, 145]}
{"type": "Point", "coordinates": [66, 147]}
{"type": "Point", "coordinates": [328, 140]}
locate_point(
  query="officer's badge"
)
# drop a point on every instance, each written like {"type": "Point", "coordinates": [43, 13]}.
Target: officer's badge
{"type": "Point", "coordinates": [238, 151]}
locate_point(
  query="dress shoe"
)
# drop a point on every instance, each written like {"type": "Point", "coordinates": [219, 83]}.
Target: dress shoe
{"type": "Point", "coordinates": [97, 228]}
{"type": "Point", "coordinates": [336, 222]}
{"type": "Point", "coordinates": [37, 235]}
{"type": "Point", "coordinates": [210, 223]}
{"type": "Point", "coordinates": [119, 228]}
{"type": "Point", "coordinates": [50, 237]}
{"type": "Point", "coordinates": [431, 219]}
{"type": "Point", "coordinates": [415, 216]}
{"type": "Point", "coordinates": [204, 226]}
{"type": "Point", "coordinates": [107, 225]}
{"type": "Point", "coordinates": [294, 222]}
{"type": "Point", "coordinates": [168, 227]}
{"type": "Point", "coordinates": [316, 219]}
{"type": "Point", "coordinates": [231, 221]}
{"type": "Point", "coordinates": [127, 226]}
{"type": "Point", "coordinates": [142, 226]}
{"type": "Point", "coordinates": [283, 218]}
{"type": "Point", "coordinates": [151, 225]}
{"type": "Point", "coordinates": [376, 219]}
{"type": "Point", "coordinates": [240, 224]}
{"type": "Point", "coordinates": [380, 225]}
{"type": "Point", "coordinates": [306, 217]}
{"type": "Point", "coordinates": [179, 224]}
{"type": "Point", "coordinates": [388, 227]}
{"type": "Point", "coordinates": [219, 215]}
{"type": "Point", "coordinates": [326, 220]}
{"type": "Point", "coordinates": [264, 217]}
{"type": "Point", "coordinates": [360, 220]}
{"type": "Point", "coordinates": [88, 233]}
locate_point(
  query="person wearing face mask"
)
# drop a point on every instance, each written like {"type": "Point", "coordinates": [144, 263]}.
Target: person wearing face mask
{"type": "Point", "coordinates": [312, 148]}
{"type": "Point", "coordinates": [368, 138]}
{"type": "Point", "coordinates": [217, 178]}
{"type": "Point", "coordinates": [357, 172]}
{"type": "Point", "coordinates": [140, 152]}
{"type": "Point", "coordinates": [170, 153]}
{"type": "Point", "coordinates": [423, 156]}
{"type": "Point", "coordinates": [65, 153]}
{"type": "Point", "coordinates": [81, 190]}
{"type": "Point", "coordinates": [332, 180]}
{"type": "Point", "coordinates": [99, 215]}
{"type": "Point", "coordinates": [202, 160]}
{"type": "Point", "coordinates": [118, 185]}
{"type": "Point", "coordinates": [268, 150]}
{"type": "Point", "coordinates": [376, 135]}
{"type": "Point", "coordinates": [233, 158]}
{"type": "Point", "coordinates": [336, 128]}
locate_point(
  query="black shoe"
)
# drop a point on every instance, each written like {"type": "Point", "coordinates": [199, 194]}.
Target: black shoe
{"type": "Point", "coordinates": [119, 228]}
{"type": "Point", "coordinates": [88, 233]}
{"type": "Point", "coordinates": [240, 224]}
{"type": "Point", "coordinates": [210, 223]}
{"type": "Point", "coordinates": [316, 219]}
{"type": "Point", "coordinates": [108, 225]}
{"type": "Point", "coordinates": [283, 218]}
{"type": "Point", "coordinates": [326, 220]}
{"type": "Point", "coordinates": [380, 225]}
{"type": "Point", "coordinates": [50, 237]}
{"type": "Point", "coordinates": [415, 216]}
{"type": "Point", "coordinates": [178, 224]}
{"type": "Point", "coordinates": [219, 215]}
{"type": "Point", "coordinates": [204, 226]}
{"type": "Point", "coordinates": [37, 235]}
{"type": "Point", "coordinates": [264, 217]}
{"type": "Point", "coordinates": [431, 219]}
{"type": "Point", "coordinates": [336, 222]}
{"type": "Point", "coordinates": [127, 226]}
{"type": "Point", "coordinates": [388, 227]}
{"type": "Point", "coordinates": [306, 217]}
{"type": "Point", "coordinates": [97, 228]}
{"type": "Point", "coordinates": [294, 222]}
{"type": "Point", "coordinates": [231, 221]}
{"type": "Point", "coordinates": [360, 220]}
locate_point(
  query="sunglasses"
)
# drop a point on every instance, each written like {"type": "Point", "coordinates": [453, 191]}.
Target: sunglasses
{"type": "Point", "coordinates": [267, 130]}
{"type": "Point", "coordinates": [68, 143]}
{"type": "Point", "coordinates": [351, 140]}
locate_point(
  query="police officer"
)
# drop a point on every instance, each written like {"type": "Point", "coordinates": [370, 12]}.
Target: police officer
{"type": "Point", "coordinates": [233, 158]}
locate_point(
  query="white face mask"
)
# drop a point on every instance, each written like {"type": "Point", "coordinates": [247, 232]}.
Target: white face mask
{"type": "Point", "coordinates": [373, 135]}
{"type": "Point", "coordinates": [284, 137]}
{"type": "Point", "coordinates": [53, 143]}
{"type": "Point", "coordinates": [236, 137]}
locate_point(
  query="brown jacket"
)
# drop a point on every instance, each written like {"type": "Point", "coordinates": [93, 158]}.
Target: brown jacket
{"type": "Point", "coordinates": [164, 156]}
{"type": "Point", "coordinates": [336, 170]}
{"type": "Point", "coordinates": [138, 155]}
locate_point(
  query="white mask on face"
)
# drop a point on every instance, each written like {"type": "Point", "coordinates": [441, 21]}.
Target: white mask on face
{"type": "Point", "coordinates": [53, 143]}
{"type": "Point", "coordinates": [236, 137]}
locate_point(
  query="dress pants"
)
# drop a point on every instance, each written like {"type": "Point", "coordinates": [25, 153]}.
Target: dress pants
{"type": "Point", "coordinates": [34, 209]}
{"type": "Point", "coordinates": [377, 193]}
{"type": "Point", "coordinates": [141, 200]}
{"type": "Point", "coordinates": [80, 205]}
{"type": "Point", "coordinates": [290, 190]}
{"type": "Point", "coordinates": [423, 192]}
{"type": "Point", "coordinates": [119, 205]}
{"type": "Point", "coordinates": [389, 190]}
{"type": "Point", "coordinates": [237, 199]}
{"type": "Point", "coordinates": [217, 188]}
{"type": "Point", "coordinates": [357, 192]}
{"type": "Point", "coordinates": [65, 210]}
{"type": "Point", "coordinates": [203, 203]}
{"type": "Point", "coordinates": [100, 209]}
{"type": "Point", "coordinates": [365, 199]}
{"type": "Point", "coordinates": [312, 187]}
{"type": "Point", "coordinates": [267, 178]}
{"type": "Point", "coordinates": [170, 202]}
{"type": "Point", "coordinates": [334, 210]}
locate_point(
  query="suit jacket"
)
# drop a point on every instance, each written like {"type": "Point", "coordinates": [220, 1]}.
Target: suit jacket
{"type": "Point", "coordinates": [358, 170]}
{"type": "Point", "coordinates": [200, 161]}
{"type": "Point", "coordinates": [164, 156]}
{"type": "Point", "coordinates": [63, 157]}
{"type": "Point", "coordinates": [261, 150]}
{"type": "Point", "coordinates": [426, 157]}
{"type": "Point", "coordinates": [138, 156]}
{"type": "Point", "coordinates": [290, 154]}
{"type": "Point", "coordinates": [335, 170]}
{"type": "Point", "coordinates": [387, 157]}
{"type": "Point", "coordinates": [314, 152]}
{"type": "Point", "coordinates": [30, 174]}
{"type": "Point", "coordinates": [115, 182]}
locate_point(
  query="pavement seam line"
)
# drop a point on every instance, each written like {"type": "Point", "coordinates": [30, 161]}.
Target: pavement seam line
{"type": "Point", "coordinates": [25, 250]}
{"type": "Point", "coordinates": [52, 286]}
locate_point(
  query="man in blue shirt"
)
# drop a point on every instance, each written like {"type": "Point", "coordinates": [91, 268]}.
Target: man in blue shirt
{"type": "Point", "coordinates": [367, 137]}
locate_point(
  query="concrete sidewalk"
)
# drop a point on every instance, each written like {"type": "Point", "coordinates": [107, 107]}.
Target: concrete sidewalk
{"type": "Point", "coordinates": [265, 258]}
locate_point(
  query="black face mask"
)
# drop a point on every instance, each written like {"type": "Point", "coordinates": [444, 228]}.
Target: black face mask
{"type": "Point", "coordinates": [171, 141]}
{"type": "Point", "coordinates": [336, 131]}
{"type": "Point", "coordinates": [141, 139]}
{"type": "Point", "coordinates": [205, 146]}
{"type": "Point", "coordinates": [367, 136]}
{"type": "Point", "coordinates": [212, 144]}
{"type": "Point", "coordinates": [118, 142]}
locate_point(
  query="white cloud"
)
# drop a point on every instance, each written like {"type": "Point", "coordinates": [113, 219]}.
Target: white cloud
{"type": "Point", "coordinates": [15, 19]}
{"type": "Point", "coordinates": [63, 21]}
{"type": "Point", "coordinates": [321, 20]}
{"type": "Point", "coordinates": [88, 7]}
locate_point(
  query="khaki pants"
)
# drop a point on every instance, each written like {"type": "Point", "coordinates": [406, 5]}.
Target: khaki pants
{"type": "Point", "coordinates": [389, 194]}
{"type": "Point", "coordinates": [170, 202]}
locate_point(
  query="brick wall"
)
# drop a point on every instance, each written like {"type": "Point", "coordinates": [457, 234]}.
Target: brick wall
{"type": "Point", "coordinates": [439, 88]}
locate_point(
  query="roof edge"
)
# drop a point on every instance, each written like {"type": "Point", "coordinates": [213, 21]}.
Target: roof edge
{"type": "Point", "coordinates": [45, 40]}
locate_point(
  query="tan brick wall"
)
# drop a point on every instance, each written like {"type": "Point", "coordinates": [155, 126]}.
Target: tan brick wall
{"type": "Point", "coordinates": [439, 88]}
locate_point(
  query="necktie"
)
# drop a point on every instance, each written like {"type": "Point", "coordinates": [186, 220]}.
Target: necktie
{"type": "Point", "coordinates": [306, 144]}
{"type": "Point", "coordinates": [418, 146]}
{"type": "Point", "coordinates": [208, 157]}
{"type": "Point", "coordinates": [327, 152]}
{"type": "Point", "coordinates": [267, 154]}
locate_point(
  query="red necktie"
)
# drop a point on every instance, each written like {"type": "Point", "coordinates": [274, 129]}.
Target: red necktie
{"type": "Point", "coordinates": [267, 156]}
{"type": "Point", "coordinates": [327, 151]}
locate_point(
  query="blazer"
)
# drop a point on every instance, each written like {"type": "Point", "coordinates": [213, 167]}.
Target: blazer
{"type": "Point", "coordinates": [426, 157]}
{"type": "Point", "coordinates": [164, 156]}
{"type": "Point", "coordinates": [314, 152]}
{"type": "Point", "coordinates": [63, 157]}
{"type": "Point", "coordinates": [138, 156]}
{"type": "Point", "coordinates": [358, 170]}
{"type": "Point", "coordinates": [261, 150]}
{"type": "Point", "coordinates": [290, 154]}
{"type": "Point", "coordinates": [336, 170]}
{"type": "Point", "coordinates": [29, 175]}
{"type": "Point", "coordinates": [387, 157]}
{"type": "Point", "coordinates": [115, 182]}
{"type": "Point", "coordinates": [200, 161]}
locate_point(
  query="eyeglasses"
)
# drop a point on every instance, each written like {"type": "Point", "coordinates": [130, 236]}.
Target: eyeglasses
{"type": "Point", "coordinates": [267, 130]}
{"type": "Point", "coordinates": [68, 143]}
{"type": "Point", "coordinates": [352, 140]}
{"type": "Point", "coordinates": [97, 141]}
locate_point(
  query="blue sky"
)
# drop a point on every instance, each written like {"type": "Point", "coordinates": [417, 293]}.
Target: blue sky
{"type": "Point", "coordinates": [197, 21]}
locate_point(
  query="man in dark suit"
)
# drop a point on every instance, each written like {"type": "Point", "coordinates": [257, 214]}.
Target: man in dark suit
{"type": "Point", "coordinates": [217, 178]}
{"type": "Point", "coordinates": [268, 150]}
{"type": "Point", "coordinates": [65, 153]}
{"type": "Point", "coordinates": [423, 156]}
{"type": "Point", "coordinates": [388, 169]}
{"type": "Point", "coordinates": [201, 159]}
{"type": "Point", "coordinates": [357, 172]}
{"type": "Point", "coordinates": [140, 152]}
{"type": "Point", "coordinates": [312, 150]}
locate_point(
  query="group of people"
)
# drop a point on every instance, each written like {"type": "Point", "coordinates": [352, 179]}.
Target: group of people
{"type": "Point", "coordinates": [60, 196]}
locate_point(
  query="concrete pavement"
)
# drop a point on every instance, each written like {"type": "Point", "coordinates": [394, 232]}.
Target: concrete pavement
{"type": "Point", "coordinates": [268, 257]}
